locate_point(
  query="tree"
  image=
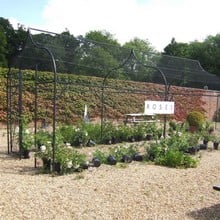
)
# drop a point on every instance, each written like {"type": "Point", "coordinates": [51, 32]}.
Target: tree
{"type": "Point", "coordinates": [145, 56]}
{"type": "Point", "coordinates": [177, 49]}
{"type": "Point", "coordinates": [3, 45]}
{"type": "Point", "coordinates": [206, 52]}
{"type": "Point", "coordinates": [15, 39]}
{"type": "Point", "coordinates": [100, 55]}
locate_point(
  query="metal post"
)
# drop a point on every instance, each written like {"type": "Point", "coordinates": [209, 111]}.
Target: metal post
{"type": "Point", "coordinates": [20, 116]}
{"type": "Point", "coordinates": [35, 110]}
{"type": "Point", "coordinates": [54, 94]}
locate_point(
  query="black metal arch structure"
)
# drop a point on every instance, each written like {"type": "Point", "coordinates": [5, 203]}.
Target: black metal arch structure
{"type": "Point", "coordinates": [133, 56]}
{"type": "Point", "coordinates": [64, 54]}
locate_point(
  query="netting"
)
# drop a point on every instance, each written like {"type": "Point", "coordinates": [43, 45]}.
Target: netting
{"type": "Point", "coordinates": [86, 57]}
{"type": "Point", "coordinates": [58, 74]}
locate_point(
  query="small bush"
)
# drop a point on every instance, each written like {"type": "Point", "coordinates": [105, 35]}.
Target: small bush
{"type": "Point", "coordinates": [120, 151]}
{"type": "Point", "coordinates": [67, 133]}
{"type": "Point", "coordinates": [102, 156]}
{"type": "Point", "coordinates": [195, 119]}
{"type": "Point", "coordinates": [42, 137]}
{"type": "Point", "coordinates": [176, 159]}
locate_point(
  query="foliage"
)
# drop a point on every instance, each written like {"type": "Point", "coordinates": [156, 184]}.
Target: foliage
{"type": "Point", "coordinates": [123, 133]}
{"type": "Point", "coordinates": [119, 151]}
{"type": "Point", "coordinates": [207, 52]}
{"type": "Point", "coordinates": [42, 137]}
{"type": "Point", "coordinates": [196, 119]}
{"type": "Point", "coordinates": [67, 132]}
{"type": "Point", "coordinates": [79, 137]}
{"type": "Point", "coordinates": [27, 140]}
{"type": "Point", "coordinates": [69, 159]}
{"type": "Point", "coordinates": [172, 151]}
{"type": "Point", "coordinates": [206, 135]}
{"type": "Point", "coordinates": [175, 158]}
{"type": "Point", "coordinates": [93, 130]}
{"type": "Point", "coordinates": [108, 133]}
{"type": "Point", "coordinates": [193, 139]}
{"type": "Point", "coordinates": [102, 156]}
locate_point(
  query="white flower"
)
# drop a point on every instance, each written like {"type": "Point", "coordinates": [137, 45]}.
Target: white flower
{"type": "Point", "coordinates": [68, 144]}
{"type": "Point", "coordinates": [27, 131]}
{"type": "Point", "coordinates": [77, 166]}
{"type": "Point", "coordinates": [180, 133]}
{"type": "Point", "coordinates": [43, 148]}
{"type": "Point", "coordinates": [17, 130]}
{"type": "Point", "coordinates": [69, 164]}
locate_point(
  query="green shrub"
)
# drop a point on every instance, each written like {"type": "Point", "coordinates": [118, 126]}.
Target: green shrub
{"type": "Point", "coordinates": [120, 151]}
{"type": "Point", "coordinates": [123, 133]}
{"type": "Point", "coordinates": [109, 133]}
{"type": "Point", "coordinates": [195, 119]}
{"type": "Point", "coordinates": [155, 150]}
{"type": "Point", "coordinates": [138, 132]}
{"type": "Point", "coordinates": [69, 159]}
{"type": "Point", "coordinates": [67, 132]}
{"type": "Point", "coordinates": [176, 159]}
{"type": "Point", "coordinates": [102, 156]}
{"type": "Point", "coordinates": [172, 151]}
{"type": "Point", "coordinates": [80, 138]}
{"type": "Point", "coordinates": [93, 131]}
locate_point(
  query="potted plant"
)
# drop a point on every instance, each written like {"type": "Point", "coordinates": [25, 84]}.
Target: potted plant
{"type": "Point", "coordinates": [42, 137]}
{"type": "Point", "coordinates": [215, 141]}
{"type": "Point", "coordinates": [195, 120]}
{"type": "Point", "coordinates": [26, 143]}
{"type": "Point", "coordinates": [44, 153]}
{"type": "Point", "coordinates": [206, 137]}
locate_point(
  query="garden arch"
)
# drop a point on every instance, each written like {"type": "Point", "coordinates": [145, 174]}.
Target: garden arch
{"type": "Point", "coordinates": [65, 53]}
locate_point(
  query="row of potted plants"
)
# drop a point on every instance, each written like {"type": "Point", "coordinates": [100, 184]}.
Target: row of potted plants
{"type": "Point", "coordinates": [174, 151]}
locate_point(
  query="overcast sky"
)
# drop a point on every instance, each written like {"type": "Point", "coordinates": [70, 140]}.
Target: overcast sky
{"type": "Point", "coordinates": [158, 21]}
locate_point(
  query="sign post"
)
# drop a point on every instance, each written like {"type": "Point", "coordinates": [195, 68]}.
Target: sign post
{"type": "Point", "coordinates": [159, 108]}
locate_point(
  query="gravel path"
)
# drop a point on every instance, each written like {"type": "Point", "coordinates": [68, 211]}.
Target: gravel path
{"type": "Point", "coordinates": [138, 191]}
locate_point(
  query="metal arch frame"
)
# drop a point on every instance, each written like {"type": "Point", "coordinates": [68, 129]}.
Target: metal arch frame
{"type": "Point", "coordinates": [103, 87]}
{"type": "Point", "coordinates": [132, 54]}
{"type": "Point", "coordinates": [54, 67]}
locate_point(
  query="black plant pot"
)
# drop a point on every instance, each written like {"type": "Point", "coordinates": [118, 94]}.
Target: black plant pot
{"type": "Point", "coordinates": [205, 142]}
{"type": "Point", "coordinates": [203, 146]}
{"type": "Point", "coordinates": [149, 137]}
{"type": "Point", "coordinates": [46, 163]}
{"type": "Point", "coordinates": [193, 150]}
{"type": "Point", "coordinates": [131, 139]}
{"type": "Point", "coordinates": [96, 162]}
{"type": "Point", "coordinates": [137, 157]}
{"type": "Point", "coordinates": [215, 145]}
{"type": "Point", "coordinates": [84, 165]}
{"type": "Point", "coordinates": [126, 159]}
{"type": "Point", "coordinates": [57, 167]}
{"type": "Point", "coordinates": [111, 160]}
{"type": "Point", "coordinates": [26, 154]}
{"type": "Point", "coordinates": [114, 140]}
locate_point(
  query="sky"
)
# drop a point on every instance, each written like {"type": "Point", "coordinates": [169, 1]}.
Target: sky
{"type": "Point", "coordinates": [157, 21]}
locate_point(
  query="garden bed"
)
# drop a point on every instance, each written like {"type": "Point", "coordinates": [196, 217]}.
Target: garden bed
{"type": "Point", "coordinates": [135, 191]}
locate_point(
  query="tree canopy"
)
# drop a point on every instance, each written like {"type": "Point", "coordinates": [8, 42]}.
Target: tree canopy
{"type": "Point", "coordinates": [206, 52]}
{"type": "Point", "coordinates": [82, 55]}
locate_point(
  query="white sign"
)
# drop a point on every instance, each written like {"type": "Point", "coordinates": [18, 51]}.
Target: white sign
{"type": "Point", "coordinates": [158, 107]}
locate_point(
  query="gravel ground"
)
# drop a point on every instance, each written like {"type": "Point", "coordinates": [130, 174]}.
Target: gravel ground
{"type": "Point", "coordinates": [137, 191]}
